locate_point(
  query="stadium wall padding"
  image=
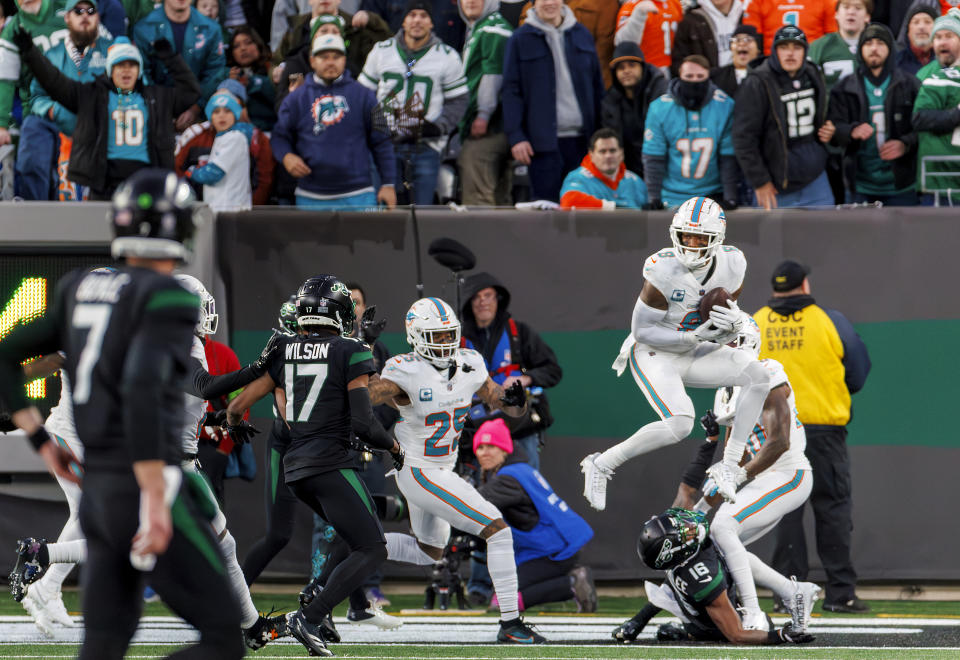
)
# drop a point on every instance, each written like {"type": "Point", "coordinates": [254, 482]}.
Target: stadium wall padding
{"type": "Point", "coordinates": [574, 276]}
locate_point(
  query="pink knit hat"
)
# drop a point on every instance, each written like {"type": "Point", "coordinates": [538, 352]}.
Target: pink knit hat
{"type": "Point", "coordinates": [494, 432]}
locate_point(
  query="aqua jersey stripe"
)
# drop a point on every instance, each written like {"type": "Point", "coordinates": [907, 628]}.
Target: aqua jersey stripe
{"type": "Point", "coordinates": [695, 214]}
{"type": "Point", "coordinates": [700, 595]}
{"type": "Point", "coordinates": [450, 499]}
{"type": "Point", "coordinates": [653, 394]}
{"type": "Point", "coordinates": [440, 309]}
{"type": "Point", "coordinates": [760, 504]}
{"type": "Point", "coordinates": [75, 464]}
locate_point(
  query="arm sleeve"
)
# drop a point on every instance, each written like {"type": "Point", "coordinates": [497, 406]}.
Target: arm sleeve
{"type": "Point", "coordinates": [696, 470]}
{"type": "Point", "coordinates": [748, 135]}
{"type": "Point", "coordinates": [839, 113]}
{"type": "Point", "coordinates": [488, 94]}
{"type": "Point", "coordinates": [452, 113]}
{"type": "Point", "coordinates": [157, 362]}
{"type": "Point", "coordinates": [856, 360]}
{"type": "Point", "coordinates": [208, 174]}
{"type": "Point", "coordinates": [632, 30]}
{"type": "Point", "coordinates": [576, 199]}
{"type": "Point", "coordinates": [654, 169]}
{"type": "Point", "coordinates": [9, 71]}
{"type": "Point", "coordinates": [364, 422]}
{"type": "Point", "coordinates": [729, 176]}
{"type": "Point", "coordinates": [512, 94]}
{"type": "Point", "coordinates": [203, 385]}
{"type": "Point", "coordinates": [380, 145]}
{"type": "Point", "coordinates": [645, 331]}
{"type": "Point", "coordinates": [279, 22]}
{"type": "Point", "coordinates": [61, 89]}
{"type": "Point", "coordinates": [936, 121]}
{"type": "Point", "coordinates": [281, 138]}
{"type": "Point", "coordinates": [504, 492]}
{"type": "Point", "coordinates": [214, 66]}
{"type": "Point", "coordinates": [186, 89]}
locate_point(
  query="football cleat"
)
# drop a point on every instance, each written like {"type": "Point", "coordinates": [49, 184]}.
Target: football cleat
{"type": "Point", "coordinates": [672, 632]}
{"type": "Point", "coordinates": [595, 480]}
{"type": "Point", "coordinates": [57, 611]}
{"type": "Point", "coordinates": [805, 595]}
{"type": "Point", "coordinates": [373, 615]}
{"type": "Point", "coordinates": [307, 634]}
{"type": "Point", "coordinates": [627, 632]}
{"type": "Point", "coordinates": [727, 479]}
{"type": "Point", "coordinates": [36, 607]}
{"type": "Point", "coordinates": [754, 619]}
{"type": "Point", "coordinates": [377, 597]}
{"type": "Point", "coordinates": [584, 590]}
{"type": "Point", "coordinates": [32, 563]}
{"type": "Point", "coordinates": [516, 631]}
{"type": "Point", "coordinates": [265, 630]}
{"type": "Point", "coordinates": [329, 631]}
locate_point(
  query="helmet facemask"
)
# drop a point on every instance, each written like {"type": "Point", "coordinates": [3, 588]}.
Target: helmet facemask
{"type": "Point", "coordinates": [438, 345]}
{"type": "Point", "coordinates": [672, 538]}
{"type": "Point", "coordinates": [695, 257]}
{"type": "Point", "coordinates": [700, 216]}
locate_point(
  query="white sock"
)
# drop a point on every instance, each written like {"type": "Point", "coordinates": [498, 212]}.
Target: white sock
{"type": "Point", "coordinates": [503, 572]}
{"type": "Point", "coordinates": [769, 578]}
{"type": "Point", "coordinates": [53, 579]}
{"type": "Point", "coordinates": [70, 552]}
{"type": "Point", "coordinates": [755, 385]}
{"type": "Point", "coordinates": [248, 611]}
{"type": "Point", "coordinates": [724, 533]}
{"type": "Point", "coordinates": [661, 433]}
{"type": "Point", "coordinates": [403, 547]}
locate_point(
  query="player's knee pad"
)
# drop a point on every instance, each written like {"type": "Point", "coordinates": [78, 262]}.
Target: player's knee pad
{"type": "Point", "coordinates": [679, 426]}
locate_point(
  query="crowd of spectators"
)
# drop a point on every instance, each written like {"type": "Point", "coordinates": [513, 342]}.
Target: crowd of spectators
{"type": "Point", "coordinates": [361, 104]}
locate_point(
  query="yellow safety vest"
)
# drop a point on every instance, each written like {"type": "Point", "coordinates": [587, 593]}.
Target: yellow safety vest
{"type": "Point", "coordinates": [808, 346]}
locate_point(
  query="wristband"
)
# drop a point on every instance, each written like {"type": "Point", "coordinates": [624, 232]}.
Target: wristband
{"type": "Point", "coordinates": [773, 637]}
{"type": "Point", "coordinates": [39, 438]}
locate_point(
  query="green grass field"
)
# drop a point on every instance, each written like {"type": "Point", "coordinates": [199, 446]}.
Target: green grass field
{"type": "Point", "coordinates": [610, 607]}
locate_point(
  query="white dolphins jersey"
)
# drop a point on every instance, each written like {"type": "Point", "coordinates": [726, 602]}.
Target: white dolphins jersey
{"type": "Point", "coordinates": [681, 288]}
{"type": "Point", "coordinates": [60, 420]}
{"type": "Point", "coordinates": [430, 425]}
{"type": "Point", "coordinates": [196, 408]}
{"type": "Point", "coordinates": [724, 407]}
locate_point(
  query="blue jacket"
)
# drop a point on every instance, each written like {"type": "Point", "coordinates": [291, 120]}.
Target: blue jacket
{"type": "Point", "coordinates": [113, 17]}
{"type": "Point", "coordinates": [92, 65]}
{"type": "Point", "coordinates": [203, 49]}
{"type": "Point", "coordinates": [330, 128]}
{"type": "Point", "coordinates": [529, 85]}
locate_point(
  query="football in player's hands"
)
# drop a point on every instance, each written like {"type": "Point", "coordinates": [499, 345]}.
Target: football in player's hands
{"type": "Point", "coordinates": [514, 395]}
{"type": "Point", "coordinates": [711, 299]}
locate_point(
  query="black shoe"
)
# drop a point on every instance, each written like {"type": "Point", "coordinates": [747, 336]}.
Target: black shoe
{"type": "Point", "coordinates": [627, 631]}
{"type": "Point", "coordinates": [308, 634]}
{"type": "Point", "coordinates": [516, 631]}
{"type": "Point", "coordinates": [264, 631]}
{"type": "Point", "coordinates": [672, 632]}
{"type": "Point", "coordinates": [32, 563]}
{"type": "Point", "coordinates": [329, 631]}
{"type": "Point", "coordinates": [584, 591]}
{"type": "Point", "coordinates": [852, 606]}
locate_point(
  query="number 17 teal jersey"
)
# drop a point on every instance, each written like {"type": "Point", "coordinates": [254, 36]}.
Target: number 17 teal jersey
{"type": "Point", "coordinates": [692, 141]}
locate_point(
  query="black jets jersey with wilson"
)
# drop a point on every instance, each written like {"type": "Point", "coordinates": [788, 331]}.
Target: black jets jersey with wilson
{"type": "Point", "coordinates": [697, 583]}
{"type": "Point", "coordinates": [314, 371]}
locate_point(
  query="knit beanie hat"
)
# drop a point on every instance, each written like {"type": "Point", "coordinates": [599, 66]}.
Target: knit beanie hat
{"type": "Point", "coordinates": [122, 51]}
{"type": "Point", "coordinates": [493, 432]}
{"type": "Point", "coordinates": [418, 4]}
{"type": "Point", "coordinates": [325, 19]}
{"type": "Point", "coordinates": [226, 100]}
{"type": "Point", "coordinates": [235, 87]}
{"type": "Point", "coordinates": [949, 21]}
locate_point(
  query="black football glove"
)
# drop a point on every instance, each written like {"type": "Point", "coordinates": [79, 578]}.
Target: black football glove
{"type": "Point", "coordinates": [514, 395]}
{"type": "Point", "coordinates": [790, 635]}
{"type": "Point", "coordinates": [653, 205]}
{"type": "Point", "coordinates": [163, 49]}
{"type": "Point", "coordinates": [22, 40]}
{"type": "Point", "coordinates": [709, 424]}
{"type": "Point", "coordinates": [398, 458]}
{"type": "Point", "coordinates": [369, 329]}
{"type": "Point", "coordinates": [729, 205]}
{"type": "Point", "coordinates": [261, 364]}
{"type": "Point", "coordinates": [215, 418]}
{"type": "Point", "coordinates": [430, 130]}
{"type": "Point", "coordinates": [241, 433]}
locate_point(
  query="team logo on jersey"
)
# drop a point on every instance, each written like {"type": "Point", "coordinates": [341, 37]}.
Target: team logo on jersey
{"type": "Point", "coordinates": [426, 394]}
{"type": "Point", "coordinates": [328, 110]}
{"type": "Point", "coordinates": [200, 42]}
{"type": "Point", "coordinates": [677, 295]}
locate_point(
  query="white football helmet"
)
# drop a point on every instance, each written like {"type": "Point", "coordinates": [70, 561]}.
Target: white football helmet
{"type": "Point", "coordinates": [208, 321]}
{"type": "Point", "coordinates": [433, 331]}
{"type": "Point", "coordinates": [704, 217]}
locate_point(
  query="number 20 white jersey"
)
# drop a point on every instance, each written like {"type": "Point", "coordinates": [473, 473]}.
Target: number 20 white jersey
{"type": "Point", "coordinates": [430, 425]}
{"type": "Point", "coordinates": [682, 289]}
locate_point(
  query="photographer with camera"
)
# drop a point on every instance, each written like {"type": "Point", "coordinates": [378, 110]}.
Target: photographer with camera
{"type": "Point", "coordinates": [547, 534]}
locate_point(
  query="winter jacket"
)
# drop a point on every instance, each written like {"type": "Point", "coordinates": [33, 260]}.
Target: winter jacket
{"type": "Point", "coordinates": [330, 128]}
{"type": "Point", "coordinates": [695, 36]}
{"type": "Point", "coordinates": [529, 85]}
{"type": "Point", "coordinates": [203, 50]}
{"type": "Point", "coordinates": [90, 102]}
{"type": "Point", "coordinates": [197, 141]}
{"type": "Point", "coordinates": [760, 129]}
{"type": "Point", "coordinates": [627, 116]}
{"type": "Point", "coordinates": [92, 64]}
{"type": "Point", "coordinates": [535, 358]}
{"type": "Point", "coordinates": [587, 187]}
{"type": "Point", "coordinates": [506, 493]}
{"type": "Point", "coordinates": [849, 107]}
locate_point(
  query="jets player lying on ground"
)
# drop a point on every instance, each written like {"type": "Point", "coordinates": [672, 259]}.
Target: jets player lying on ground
{"type": "Point", "coordinates": [324, 374]}
{"type": "Point", "coordinates": [433, 388]}
{"type": "Point", "coordinates": [34, 555]}
{"type": "Point", "coordinates": [698, 589]}
{"type": "Point", "coordinates": [670, 347]}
